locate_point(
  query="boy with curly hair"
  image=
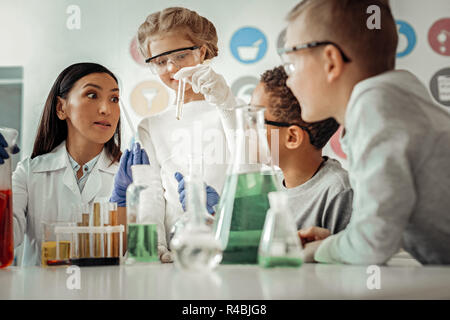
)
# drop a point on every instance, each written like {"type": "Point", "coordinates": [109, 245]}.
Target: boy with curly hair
{"type": "Point", "coordinates": [318, 188]}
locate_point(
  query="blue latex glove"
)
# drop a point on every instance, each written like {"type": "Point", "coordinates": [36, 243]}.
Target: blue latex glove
{"type": "Point", "coordinates": [123, 177]}
{"type": "Point", "coordinates": [3, 153]}
{"type": "Point", "coordinates": [212, 197]}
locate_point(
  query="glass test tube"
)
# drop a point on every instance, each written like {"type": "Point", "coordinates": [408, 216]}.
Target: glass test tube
{"type": "Point", "coordinates": [85, 243]}
{"type": "Point", "coordinates": [97, 236]}
{"type": "Point", "coordinates": [114, 221]}
{"type": "Point", "coordinates": [180, 97]}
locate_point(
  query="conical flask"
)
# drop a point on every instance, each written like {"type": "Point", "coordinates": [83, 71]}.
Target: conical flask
{"type": "Point", "coordinates": [244, 203]}
{"type": "Point", "coordinates": [194, 244]}
{"type": "Point", "coordinates": [280, 244]}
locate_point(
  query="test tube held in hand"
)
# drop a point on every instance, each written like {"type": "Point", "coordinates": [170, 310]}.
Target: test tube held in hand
{"type": "Point", "coordinates": [180, 97]}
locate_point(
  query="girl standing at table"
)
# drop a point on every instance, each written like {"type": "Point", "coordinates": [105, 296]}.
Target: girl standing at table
{"type": "Point", "coordinates": [75, 154]}
{"type": "Point", "coordinates": [171, 40]}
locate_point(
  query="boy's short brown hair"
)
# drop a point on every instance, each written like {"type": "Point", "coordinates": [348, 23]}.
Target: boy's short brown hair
{"type": "Point", "coordinates": [286, 108]}
{"type": "Point", "coordinates": [345, 22]}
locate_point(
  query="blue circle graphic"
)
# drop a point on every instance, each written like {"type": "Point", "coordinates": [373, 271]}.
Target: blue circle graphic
{"type": "Point", "coordinates": [248, 45]}
{"type": "Point", "coordinates": [408, 31]}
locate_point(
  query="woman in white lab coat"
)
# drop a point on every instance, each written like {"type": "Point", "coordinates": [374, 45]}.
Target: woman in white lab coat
{"type": "Point", "coordinates": [176, 42]}
{"type": "Point", "coordinates": [75, 154]}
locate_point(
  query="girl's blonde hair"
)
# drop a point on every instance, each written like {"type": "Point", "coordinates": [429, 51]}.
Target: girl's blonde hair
{"type": "Point", "coordinates": [196, 28]}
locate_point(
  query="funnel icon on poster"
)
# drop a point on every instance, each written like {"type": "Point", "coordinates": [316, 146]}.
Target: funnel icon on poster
{"type": "Point", "coordinates": [248, 45]}
{"type": "Point", "coordinates": [149, 94]}
{"type": "Point", "coordinates": [148, 98]}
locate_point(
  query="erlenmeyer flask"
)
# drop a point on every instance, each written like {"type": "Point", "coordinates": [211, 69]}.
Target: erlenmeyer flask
{"type": "Point", "coordinates": [244, 203]}
{"type": "Point", "coordinates": [280, 244]}
{"type": "Point", "coordinates": [194, 244]}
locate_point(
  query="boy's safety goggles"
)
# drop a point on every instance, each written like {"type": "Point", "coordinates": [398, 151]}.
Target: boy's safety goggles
{"type": "Point", "coordinates": [289, 66]}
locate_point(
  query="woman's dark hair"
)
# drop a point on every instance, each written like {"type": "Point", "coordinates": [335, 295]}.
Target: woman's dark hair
{"type": "Point", "coordinates": [285, 107]}
{"type": "Point", "coordinates": [52, 131]}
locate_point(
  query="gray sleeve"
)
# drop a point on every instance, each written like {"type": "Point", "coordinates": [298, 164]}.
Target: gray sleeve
{"type": "Point", "coordinates": [338, 211]}
{"type": "Point", "coordinates": [383, 184]}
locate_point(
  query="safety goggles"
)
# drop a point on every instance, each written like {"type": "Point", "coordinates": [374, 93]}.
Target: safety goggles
{"type": "Point", "coordinates": [287, 125]}
{"type": "Point", "coordinates": [289, 67]}
{"type": "Point", "coordinates": [182, 57]}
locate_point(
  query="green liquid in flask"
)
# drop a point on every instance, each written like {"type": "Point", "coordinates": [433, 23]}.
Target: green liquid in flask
{"type": "Point", "coordinates": [249, 208]}
{"type": "Point", "coordinates": [271, 262]}
{"type": "Point", "coordinates": [142, 242]}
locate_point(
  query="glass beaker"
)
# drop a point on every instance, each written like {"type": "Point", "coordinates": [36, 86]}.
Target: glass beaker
{"type": "Point", "coordinates": [193, 243]}
{"type": "Point", "coordinates": [244, 203]}
{"type": "Point", "coordinates": [6, 209]}
{"type": "Point", "coordinates": [55, 248]}
{"type": "Point", "coordinates": [280, 244]}
{"type": "Point", "coordinates": [142, 234]}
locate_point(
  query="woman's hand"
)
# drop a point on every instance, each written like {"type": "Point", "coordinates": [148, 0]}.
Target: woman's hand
{"type": "Point", "coordinates": [204, 80]}
{"type": "Point", "coordinates": [3, 153]}
{"type": "Point", "coordinates": [123, 177]}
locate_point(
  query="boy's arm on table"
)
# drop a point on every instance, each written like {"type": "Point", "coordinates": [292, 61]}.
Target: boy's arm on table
{"type": "Point", "coordinates": [384, 193]}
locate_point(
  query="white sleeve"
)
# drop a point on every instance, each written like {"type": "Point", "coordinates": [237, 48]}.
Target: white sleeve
{"type": "Point", "coordinates": [20, 202]}
{"type": "Point", "coordinates": [156, 203]}
{"type": "Point", "coordinates": [382, 181]}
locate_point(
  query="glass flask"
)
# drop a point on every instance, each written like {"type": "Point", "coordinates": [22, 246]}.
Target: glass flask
{"type": "Point", "coordinates": [6, 209]}
{"type": "Point", "coordinates": [244, 203]}
{"type": "Point", "coordinates": [280, 244]}
{"type": "Point", "coordinates": [193, 244]}
{"type": "Point", "coordinates": [142, 235]}
{"type": "Point", "coordinates": [140, 174]}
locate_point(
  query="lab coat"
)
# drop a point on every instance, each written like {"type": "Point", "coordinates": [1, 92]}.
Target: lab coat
{"type": "Point", "coordinates": [168, 142]}
{"type": "Point", "coordinates": [45, 188]}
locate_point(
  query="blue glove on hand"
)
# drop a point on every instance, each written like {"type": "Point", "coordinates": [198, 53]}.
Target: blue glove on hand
{"type": "Point", "coordinates": [123, 177]}
{"type": "Point", "coordinates": [212, 197]}
{"type": "Point", "coordinates": [3, 153]}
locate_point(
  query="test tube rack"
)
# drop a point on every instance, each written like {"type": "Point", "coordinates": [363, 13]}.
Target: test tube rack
{"type": "Point", "coordinates": [106, 230]}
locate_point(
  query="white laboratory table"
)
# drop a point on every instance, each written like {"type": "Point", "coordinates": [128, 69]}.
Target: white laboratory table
{"type": "Point", "coordinates": [400, 279]}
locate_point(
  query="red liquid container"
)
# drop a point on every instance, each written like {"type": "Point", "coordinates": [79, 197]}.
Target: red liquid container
{"type": "Point", "coordinates": [6, 229]}
{"type": "Point", "coordinates": [6, 209]}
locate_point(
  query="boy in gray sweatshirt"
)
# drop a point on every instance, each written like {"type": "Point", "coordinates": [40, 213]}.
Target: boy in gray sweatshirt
{"type": "Point", "coordinates": [396, 139]}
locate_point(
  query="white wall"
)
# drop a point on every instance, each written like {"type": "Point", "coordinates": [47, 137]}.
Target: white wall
{"type": "Point", "coordinates": [34, 35]}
